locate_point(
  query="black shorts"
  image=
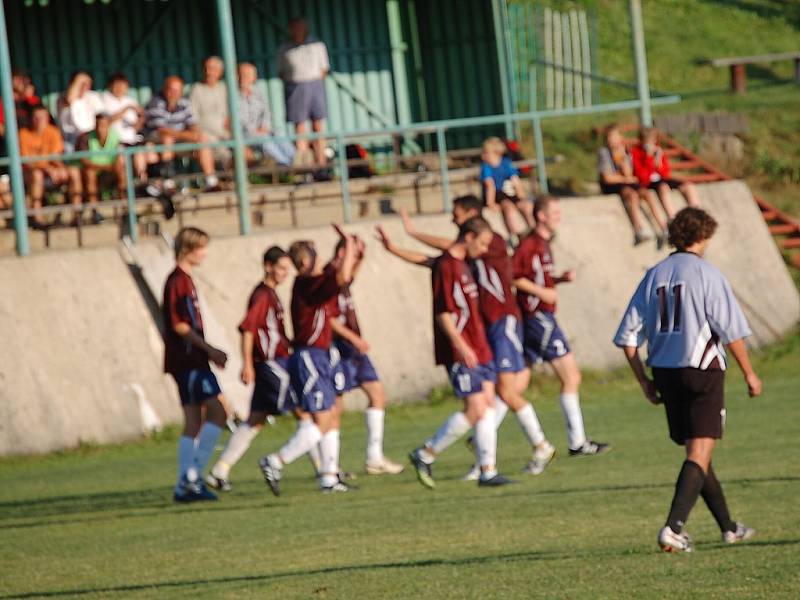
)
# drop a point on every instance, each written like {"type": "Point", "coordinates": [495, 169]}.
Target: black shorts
{"type": "Point", "coordinates": [694, 400]}
{"type": "Point", "coordinates": [500, 195]}
{"type": "Point", "coordinates": [615, 188]}
{"type": "Point", "coordinates": [673, 184]}
{"type": "Point", "coordinates": [273, 392]}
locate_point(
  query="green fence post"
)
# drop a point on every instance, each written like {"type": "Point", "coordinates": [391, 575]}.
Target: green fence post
{"type": "Point", "coordinates": [441, 142]}
{"type": "Point", "coordinates": [640, 60]}
{"type": "Point", "coordinates": [541, 167]}
{"type": "Point", "coordinates": [344, 178]}
{"type": "Point", "coordinates": [503, 59]}
{"type": "Point", "coordinates": [133, 229]}
{"type": "Point", "coordinates": [12, 141]}
{"type": "Point", "coordinates": [399, 49]}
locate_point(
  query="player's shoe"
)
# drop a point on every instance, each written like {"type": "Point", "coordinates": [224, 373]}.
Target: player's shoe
{"type": "Point", "coordinates": [335, 488]}
{"type": "Point", "coordinates": [191, 489]}
{"type": "Point", "coordinates": [473, 474]}
{"type": "Point", "coordinates": [669, 541]}
{"type": "Point", "coordinates": [272, 474]}
{"type": "Point", "coordinates": [383, 467]}
{"type": "Point", "coordinates": [422, 468]}
{"type": "Point", "coordinates": [542, 457]}
{"type": "Point", "coordinates": [590, 448]}
{"type": "Point", "coordinates": [218, 483]}
{"type": "Point", "coordinates": [743, 532]}
{"type": "Point", "coordinates": [494, 481]}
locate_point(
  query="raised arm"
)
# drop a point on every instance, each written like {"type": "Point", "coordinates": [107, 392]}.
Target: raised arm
{"type": "Point", "coordinates": [344, 272]}
{"type": "Point", "coordinates": [415, 258]}
{"type": "Point", "coordinates": [434, 241]}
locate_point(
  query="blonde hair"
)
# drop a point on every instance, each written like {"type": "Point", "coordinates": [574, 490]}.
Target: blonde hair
{"type": "Point", "coordinates": [188, 240]}
{"type": "Point", "coordinates": [494, 145]}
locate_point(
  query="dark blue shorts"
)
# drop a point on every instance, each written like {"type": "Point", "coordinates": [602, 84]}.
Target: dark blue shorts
{"type": "Point", "coordinates": [305, 100]}
{"type": "Point", "coordinates": [273, 393]}
{"type": "Point", "coordinates": [544, 340]}
{"type": "Point", "coordinates": [356, 367]}
{"type": "Point", "coordinates": [470, 381]}
{"type": "Point", "coordinates": [196, 386]}
{"type": "Point", "coordinates": [505, 337]}
{"type": "Point", "coordinates": [316, 377]}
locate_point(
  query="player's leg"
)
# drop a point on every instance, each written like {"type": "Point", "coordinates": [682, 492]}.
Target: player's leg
{"type": "Point", "coordinates": [213, 425]}
{"type": "Point", "coordinates": [238, 443]}
{"type": "Point", "coordinates": [374, 417]}
{"type": "Point", "coordinates": [192, 420]}
{"type": "Point", "coordinates": [714, 498]}
{"type": "Point", "coordinates": [509, 387]}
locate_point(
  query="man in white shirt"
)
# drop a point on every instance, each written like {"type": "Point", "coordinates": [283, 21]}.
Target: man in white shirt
{"type": "Point", "coordinates": [77, 109]}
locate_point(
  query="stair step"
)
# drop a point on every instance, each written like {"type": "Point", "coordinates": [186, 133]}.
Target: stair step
{"type": "Point", "coordinates": [796, 260]}
{"type": "Point", "coordinates": [783, 229]}
{"type": "Point", "coordinates": [790, 243]}
{"type": "Point", "coordinates": [685, 165]}
{"type": "Point", "coordinates": [703, 177]}
{"type": "Point", "coordinates": [769, 214]}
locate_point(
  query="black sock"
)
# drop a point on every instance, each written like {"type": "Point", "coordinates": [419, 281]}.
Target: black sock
{"type": "Point", "coordinates": [687, 489]}
{"type": "Point", "coordinates": [715, 500]}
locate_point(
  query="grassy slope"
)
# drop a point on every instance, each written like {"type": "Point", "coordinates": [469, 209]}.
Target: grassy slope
{"type": "Point", "coordinates": [98, 523]}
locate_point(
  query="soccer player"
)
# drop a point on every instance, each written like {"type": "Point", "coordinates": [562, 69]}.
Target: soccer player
{"type": "Point", "coordinates": [358, 370]}
{"type": "Point", "coordinates": [312, 366]}
{"type": "Point", "coordinates": [186, 356]}
{"type": "Point", "coordinates": [265, 360]}
{"type": "Point", "coordinates": [462, 348]}
{"type": "Point", "coordinates": [685, 309]}
{"type": "Point", "coordinates": [502, 318]}
{"type": "Point", "coordinates": [544, 340]}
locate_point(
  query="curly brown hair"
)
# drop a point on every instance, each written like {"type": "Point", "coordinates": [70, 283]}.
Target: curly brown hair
{"type": "Point", "coordinates": [691, 225]}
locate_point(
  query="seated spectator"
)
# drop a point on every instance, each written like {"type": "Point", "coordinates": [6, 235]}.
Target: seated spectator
{"type": "Point", "coordinates": [209, 100]}
{"type": "Point", "coordinates": [502, 187]}
{"type": "Point", "coordinates": [41, 139]}
{"type": "Point", "coordinates": [256, 120]}
{"type": "Point", "coordinates": [651, 168]}
{"type": "Point", "coordinates": [127, 120]}
{"type": "Point", "coordinates": [77, 108]}
{"type": "Point", "coordinates": [103, 137]}
{"type": "Point", "coordinates": [6, 201]}
{"type": "Point", "coordinates": [169, 120]}
{"type": "Point", "coordinates": [25, 97]}
{"type": "Point", "coordinates": [615, 173]}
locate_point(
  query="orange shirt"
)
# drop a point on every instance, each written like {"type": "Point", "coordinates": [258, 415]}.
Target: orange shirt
{"type": "Point", "coordinates": [32, 143]}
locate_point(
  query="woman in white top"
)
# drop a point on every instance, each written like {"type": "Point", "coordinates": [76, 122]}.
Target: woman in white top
{"type": "Point", "coordinates": [77, 109]}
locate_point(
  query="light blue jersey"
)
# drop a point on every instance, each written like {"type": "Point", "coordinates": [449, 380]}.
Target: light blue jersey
{"type": "Point", "coordinates": [685, 309]}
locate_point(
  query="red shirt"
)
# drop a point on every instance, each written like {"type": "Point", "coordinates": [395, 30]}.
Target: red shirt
{"type": "Point", "coordinates": [264, 319]}
{"type": "Point", "coordinates": [646, 165]}
{"type": "Point", "coordinates": [181, 306]}
{"type": "Point", "coordinates": [534, 260]}
{"type": "Point", "coordinates": [343, 308]}
{"type": "Point", "coordinates": [310, 297]}
{"type": "Point", "coordinates": [493, 272]}
{"type": "Point", "coordinates": [455, 292]}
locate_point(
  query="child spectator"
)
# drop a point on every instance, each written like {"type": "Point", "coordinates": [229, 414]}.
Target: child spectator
{"type": "Point", "coordinates": [502, 187]}
{"type": "Point", "coordinates": [77, 109]}
{"type": "Point", "coordinates": [104, 137]}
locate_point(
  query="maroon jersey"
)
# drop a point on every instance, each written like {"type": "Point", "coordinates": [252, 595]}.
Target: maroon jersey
{"type": "Point", "coordinates": [494, 275]}
{"type": "Point", "coordinates": [311, 296]}
{"type": "Point", "coordinates": [343, 308]}
{"type": "Point", "coordinates": [533, 260]}
{"type": "Point", "coordinates": [455, 292]}
{"type": "Point", "coordinates": [264, 319]}
{"type": "Point", "coordinates": [181, 306]}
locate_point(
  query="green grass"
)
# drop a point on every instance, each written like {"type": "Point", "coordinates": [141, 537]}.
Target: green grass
{"type": "Point", "coordinates": [99, 523]}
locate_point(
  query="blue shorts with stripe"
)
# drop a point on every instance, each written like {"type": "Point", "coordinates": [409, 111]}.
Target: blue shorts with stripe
{"type": "Point", "coordinates": [196, 386]}
{"type": "Point", "coordinates": [505, 337]}
{"type": "Point", "coordinates": [273, 393]}
{"type": "Point", "coordinates": [316, 377]}
{"type": "Point", "coordinates": [357, 367]}
{"type": "Point", "coordinates": [544, 341]}
{"type": "Point", "coordinates": [467, 381]}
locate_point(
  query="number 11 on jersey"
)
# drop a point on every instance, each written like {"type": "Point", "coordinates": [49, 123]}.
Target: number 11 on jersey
{"type": "Point", "coordinates": [663, 308]}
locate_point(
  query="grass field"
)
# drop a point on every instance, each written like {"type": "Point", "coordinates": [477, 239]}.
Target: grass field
{"type": "Point", "coordinates": [99, 522]}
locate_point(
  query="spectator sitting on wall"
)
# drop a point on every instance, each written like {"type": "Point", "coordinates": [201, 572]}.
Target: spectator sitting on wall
{"type": "Point", "coordinates": [209, 100]}
{"type": "Point", "coordinates": [77, 108]}
{"type": "Point", "coordinates": [41, 139]}
{"type": "Point", "coordinates": [256, 119]}
{"type": "Point", "coordinates": [103, 137]}
{"type": "Point", "coordinates": [303, 65]}
{"type": "Point", "coordinates": [502, 186]}
{"type": "Point", "coordinates": [169, 120]}
{"type": "Point", "coordinates": [127, 120]}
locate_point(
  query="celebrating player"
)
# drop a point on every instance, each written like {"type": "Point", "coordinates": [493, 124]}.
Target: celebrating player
{"type": "Point", "coordinates": [685, 309]}
{"type": "Point", "coordinates": [312, 366]}
{"type": "Point", "coordinates": [186, 356]}
{"type": "Point", "coordinates": [265, 358]}
{"type": "Point", "coordinates": [544, 340]}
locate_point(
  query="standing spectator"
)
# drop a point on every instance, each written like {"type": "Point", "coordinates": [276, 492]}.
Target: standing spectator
{"type": "Point", "coordinates": [103, 137]}
{"type": "Point", "coordinates": [303, 65]}
{"type": "Point", "coordinates": [169, 120]}
{"type": "Point", "coordinates": [40, 139]}
{"type": "Point", "coordinates": [77, 109]}
{"type": "Point", "coordinates": [256, 119]}
{"type": "Point", "coordinates": [502, 187]}
{"type": "Point", "coordinates": [209, 100]}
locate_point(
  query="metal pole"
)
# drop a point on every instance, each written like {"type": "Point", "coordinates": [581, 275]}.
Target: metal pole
{"type": "Point", "coordinates": [12, 140]}
{"type": "Point", "coordinates": [133, 229]}
{"type": "Point", "coordinates": [399, 49]}
{"type": "Point", "coordinates": [640, 58]}
{"type": "Point", "coordinates": [502, 62]}
{"type": "Point", "coordinates": [239, 163]}
{"type": "Point", "coordinates": [442, 143]}
{"type": "Point", "coordinates": [541, 168]}
{"type": "Point", "coordinates": [344, 178]}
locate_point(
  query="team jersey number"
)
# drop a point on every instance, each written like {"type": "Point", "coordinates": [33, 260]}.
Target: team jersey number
{"type": "Point", "coordinates": [663, 308]}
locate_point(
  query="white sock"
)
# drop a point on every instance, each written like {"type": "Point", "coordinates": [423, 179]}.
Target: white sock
{"type": "Point", "coordinates": [315, 457]}
{"type": "Point", "coordinates": [500, 411]}
{"type": "Point", "coordinates": [329, 451]}
{"type": "Point", "coordinates": [530, 425]}
{"type": "Point", "coordinates": [374, 418]}
{"type": "Point", "coordinates": [571, 407]}
{"type": "Point", "coordinates": [206, 442]}
{"type": "Point", "coordinates": [453, 428]}
{"type": "Point", "coordinates": [486, 439]}
{"type": "Point", "coordinates": [185, 457]}
{"type": "Point", "coordinates": [305, 437]}
{"type": "Point", "coordinates": [237, 445]}
{"type": "Point", "coordinates": [212, 180]}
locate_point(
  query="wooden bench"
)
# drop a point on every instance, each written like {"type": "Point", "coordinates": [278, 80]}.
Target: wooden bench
{"type": "Point", "coordinates": [737, 66]}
